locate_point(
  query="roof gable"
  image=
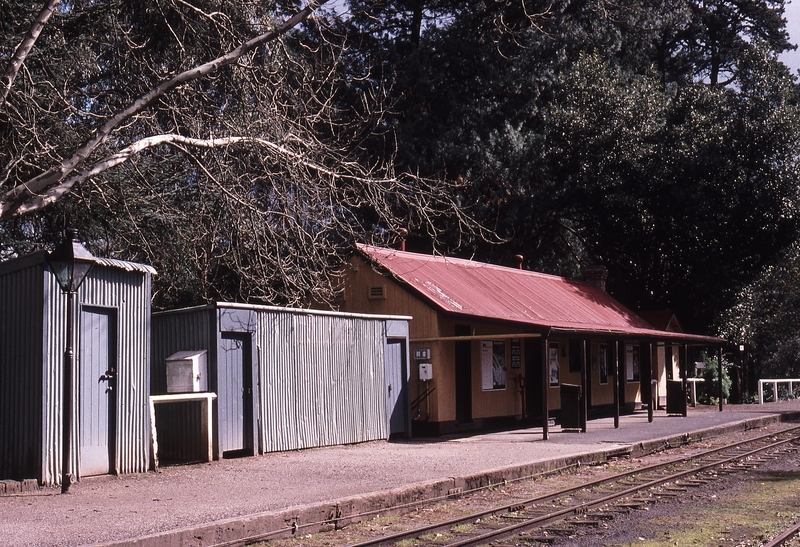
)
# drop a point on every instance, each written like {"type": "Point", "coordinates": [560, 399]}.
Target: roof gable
{"type": "Point", "coordinates": [662, 320]}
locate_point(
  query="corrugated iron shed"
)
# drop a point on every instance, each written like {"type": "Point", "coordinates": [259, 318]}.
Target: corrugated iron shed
{"type": "Point", "coordinates": [318, 378]}
{"type": "Point", "coordinates": [32, 344]}
{"type": "Point", "coordinates": [475, 289]}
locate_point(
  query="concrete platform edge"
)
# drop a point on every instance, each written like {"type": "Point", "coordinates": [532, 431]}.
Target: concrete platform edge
{"type": "Point", "coordinates": [655, 445]}
{"type": "Point", "coordinates": [333, 514]}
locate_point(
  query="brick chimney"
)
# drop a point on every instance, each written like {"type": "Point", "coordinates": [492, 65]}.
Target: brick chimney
{"type": "Point", "coordinates": [596, 275]}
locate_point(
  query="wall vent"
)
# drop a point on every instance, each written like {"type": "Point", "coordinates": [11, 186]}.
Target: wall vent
{"type": "Point", "coordinates": [377, 292]}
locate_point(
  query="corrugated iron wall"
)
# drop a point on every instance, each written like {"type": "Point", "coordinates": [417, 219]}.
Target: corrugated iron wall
{"type": "Point", "coordinates": [129, 294]}
{"type": "Point", "coordinates": [189, 329]}
{"type": "Point", "coordinates": [21, 322]}
{"type": "Point", "coordinates": [321, 380]}
{"type": "Point", "coordinates": [173, 331]}
{"type": "Point", "coordinates": [55, 310]}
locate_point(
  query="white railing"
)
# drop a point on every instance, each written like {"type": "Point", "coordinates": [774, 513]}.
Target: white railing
{"type": "Point", "coordinates": [693, 390]}
{"type": "Point", "coordinates": [775, 383]}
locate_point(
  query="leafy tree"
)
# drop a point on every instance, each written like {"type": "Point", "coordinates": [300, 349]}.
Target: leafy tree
{"type": "Point", "coordinates": [710, 375]}
{"type": "Point", "coordinates": [766, 318]}
{"type": "Point", "coordinates": [720, 33]}
{"type": "Point", "coordinates": [589, 132]}
{"type": "Point", "coordinates": [695, 190]}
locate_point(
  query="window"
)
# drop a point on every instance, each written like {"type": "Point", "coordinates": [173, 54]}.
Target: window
{"type": "Point", "coordinates": [516, 353]}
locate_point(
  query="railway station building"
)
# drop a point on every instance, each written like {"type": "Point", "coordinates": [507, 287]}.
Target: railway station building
{"type": "Point", "coordinates": [494, 346]}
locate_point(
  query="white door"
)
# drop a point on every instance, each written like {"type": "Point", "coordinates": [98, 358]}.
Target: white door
{"type": "Point", "coordinates": [96, 391]}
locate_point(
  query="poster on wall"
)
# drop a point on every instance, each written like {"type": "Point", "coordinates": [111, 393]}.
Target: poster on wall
{"type": "Point", "coordinates": [552, 360]}
{"type": "Point", "coordinates": [493, 365]}
{"type": "Point", "coordinates": [602, 355]}
{"type": "Point", "coordinates": [516, 353]}
{"type": "Point", "coordinates": [632, 363]}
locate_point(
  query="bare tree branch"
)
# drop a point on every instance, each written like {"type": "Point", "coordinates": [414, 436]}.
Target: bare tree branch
{"type": "Point", "coordinates": [53, 181]}
{"type": "Point", "coordinates": [24, 48]}
{"type": "Point", "coordinates": [54, 193]}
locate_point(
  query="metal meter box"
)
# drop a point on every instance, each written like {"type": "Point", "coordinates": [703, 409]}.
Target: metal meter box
{"type": "Point", "coordinates": [425, 371]}
{"type": "Point", "coordinates": [187, 371]}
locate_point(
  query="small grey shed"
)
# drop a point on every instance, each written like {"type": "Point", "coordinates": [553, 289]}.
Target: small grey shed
{"type": "Point", "coordinates": [111, 338]}
{"type": "Point", "coordinates": [285, 378]}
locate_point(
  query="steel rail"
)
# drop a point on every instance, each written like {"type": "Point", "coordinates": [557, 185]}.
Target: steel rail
{"type": "Point", "coordinates": [519, 505]}
{"type": "Point", "coordinates": [537, 522]}
{"type": "Point", "coordinates": [784, 537]}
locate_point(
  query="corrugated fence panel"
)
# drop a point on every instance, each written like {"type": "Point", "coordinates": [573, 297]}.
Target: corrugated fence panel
{"type": "Point", "coordinates": [21, 374]}
{"type": "Point", "coordinates": [322, 380]}
{"type": "Point", "coordinates": [191, 329]}
{"type": "Point", "coordinates": [179, 425]}
{"type": "Point", "coordinates": [302, 365]}
{"type": "Point", "coordinates": [55, 310]}
{"type": "Point", "coordinates": [279, 420]}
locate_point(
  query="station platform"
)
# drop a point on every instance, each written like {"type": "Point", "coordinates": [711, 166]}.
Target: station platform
{"type": "Point", "coordinates": [312, 490]}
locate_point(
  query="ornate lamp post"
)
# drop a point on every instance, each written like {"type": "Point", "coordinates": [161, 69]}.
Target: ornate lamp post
{"type": "Point", "coordinates": [70, 262]}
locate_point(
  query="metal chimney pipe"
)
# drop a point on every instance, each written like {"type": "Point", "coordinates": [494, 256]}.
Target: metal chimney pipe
{"type": "Point", "coordinates": [403, 233]}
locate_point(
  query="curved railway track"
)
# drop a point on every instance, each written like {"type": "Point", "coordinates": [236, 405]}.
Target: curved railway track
{"type": "Point", "coordinates": [544, 517]}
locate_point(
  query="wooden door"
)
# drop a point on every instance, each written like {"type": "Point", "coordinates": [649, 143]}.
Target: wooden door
{"type": "Point", "coordinates": [533, 377]}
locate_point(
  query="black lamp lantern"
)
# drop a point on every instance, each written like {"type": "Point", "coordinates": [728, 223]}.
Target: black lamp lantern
{"type": "Point", "coordinates": [70, 262]}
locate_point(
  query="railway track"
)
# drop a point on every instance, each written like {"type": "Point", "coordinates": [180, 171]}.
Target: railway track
{"type": "Point", "coordinates": [544, 517]}
{"type": "Point", "coordinates": [782, 539]}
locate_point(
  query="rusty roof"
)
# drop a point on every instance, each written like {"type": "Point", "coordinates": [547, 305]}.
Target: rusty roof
{"type": "Point", "coordinates": [476, 289]}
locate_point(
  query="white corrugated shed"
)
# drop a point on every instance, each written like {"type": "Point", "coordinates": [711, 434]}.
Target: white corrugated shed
{"type": "Point", "coordinates": [316, 378]}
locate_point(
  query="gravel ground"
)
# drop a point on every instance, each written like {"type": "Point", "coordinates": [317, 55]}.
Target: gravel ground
{"type": "Point", "coordinates": [105, 509]}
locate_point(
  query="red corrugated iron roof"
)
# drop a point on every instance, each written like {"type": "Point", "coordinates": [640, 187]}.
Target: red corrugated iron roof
{"type": "Point", "coordinates": [476, 289]}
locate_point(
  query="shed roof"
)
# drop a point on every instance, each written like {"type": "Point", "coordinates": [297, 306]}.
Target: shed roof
{"type": "Point", "coordinates": [476, 289]}
{"type": "Point", "coordinates": [40, 257]}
